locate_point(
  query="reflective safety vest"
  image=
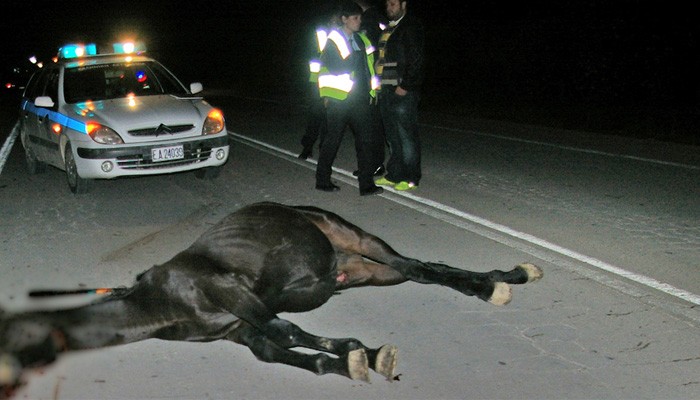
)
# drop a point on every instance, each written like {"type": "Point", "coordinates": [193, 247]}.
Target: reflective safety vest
{"type": "Point", "coordinates": [315, 62]}
{"type": "Point", "coordinates": [337, 82]}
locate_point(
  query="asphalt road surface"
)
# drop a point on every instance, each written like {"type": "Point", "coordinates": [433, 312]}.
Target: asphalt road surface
{"type": "Point", "coordinates": [614, 223]}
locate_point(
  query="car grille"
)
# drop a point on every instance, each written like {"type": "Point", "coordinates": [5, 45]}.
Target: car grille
{"type": "Point", "coordinates": [193, 154]}
{"type": "Point", "coordinates": [161, 130]}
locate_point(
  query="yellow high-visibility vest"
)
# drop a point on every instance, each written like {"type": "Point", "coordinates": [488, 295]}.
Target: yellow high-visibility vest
{"type": "Point", "coordinates": [315, 63]}
{"type": "Point", "coordinates": [337, 86]}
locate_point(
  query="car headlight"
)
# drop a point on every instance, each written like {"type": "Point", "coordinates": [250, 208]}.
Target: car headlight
{"type": "Point", "coordinates": [214, 122]}
{"type": "Point", "coordinates": [103, 135]}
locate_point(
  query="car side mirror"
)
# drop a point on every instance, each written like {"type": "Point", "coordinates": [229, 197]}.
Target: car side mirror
{"type": "Point", "coordinates": [196, 87]}
{"type": "Point", "coordinates": [44, 101]}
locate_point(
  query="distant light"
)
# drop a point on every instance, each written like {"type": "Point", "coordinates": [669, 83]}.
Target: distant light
{"type": "Point", "coordinates": [40, 65]}
{"type": "Point", "coordinates": [32, 59]}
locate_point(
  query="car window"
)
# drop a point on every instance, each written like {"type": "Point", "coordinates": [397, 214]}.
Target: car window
{"type": "Point", "coordinates": [110, 81]}
{"type": "Point", "coordinates": [51, 88]}
{"type": "Point", "coordinates": [36, 84]}
{"type": "Point", "coordinates": [170, 84]}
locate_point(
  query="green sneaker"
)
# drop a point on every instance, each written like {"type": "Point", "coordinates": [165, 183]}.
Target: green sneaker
{"type": "Point", "coordinates": [384, 182]}
{"type": "Point", "coordinates": [403, 186]}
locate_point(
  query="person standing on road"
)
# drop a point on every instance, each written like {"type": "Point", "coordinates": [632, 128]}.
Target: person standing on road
{"type": "Point", "coordinates": [401, 68]}
{"type": "Point", "coordinates": [372, 24]}
{"type": "Point", "coordinates": [316, 117]}
{"type": "Point", "coordinates": [347, 85]}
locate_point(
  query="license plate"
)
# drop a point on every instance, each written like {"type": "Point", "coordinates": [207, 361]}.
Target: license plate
{"type": "Point", "coordinates": [167, 153]}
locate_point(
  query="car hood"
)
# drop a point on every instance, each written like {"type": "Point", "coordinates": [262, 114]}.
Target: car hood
{"type": "Point", "coordinates": [133, 118]}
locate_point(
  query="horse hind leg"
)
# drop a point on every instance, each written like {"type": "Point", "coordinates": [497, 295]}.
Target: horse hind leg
{"type": "Point", "coordinates": [493, 286]}
{"type": "Point", "coordinates": [520, 274]}
{"type": "Point", "coordinates": [350, 239]}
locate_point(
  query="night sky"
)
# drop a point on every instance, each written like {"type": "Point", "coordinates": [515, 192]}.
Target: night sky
{"type": "Point", "coordinates": [596, 53]}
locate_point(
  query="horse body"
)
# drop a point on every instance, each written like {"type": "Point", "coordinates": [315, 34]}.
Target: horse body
{"type": "Point", "coordinates": [232, 282]}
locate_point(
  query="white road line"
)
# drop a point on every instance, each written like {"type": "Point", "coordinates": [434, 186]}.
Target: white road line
{"type": "Point", "coordinates": [598, 264]}
{"type": "Point", "coordinates": [7, 146]}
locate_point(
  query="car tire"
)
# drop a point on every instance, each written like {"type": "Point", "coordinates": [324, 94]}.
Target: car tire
{"type": "Point", "coordinates": [207, 173]}
{"type": "Point", "coordinates": [76, 184]}
{"type": "Point", "coordinates": [34, 166]}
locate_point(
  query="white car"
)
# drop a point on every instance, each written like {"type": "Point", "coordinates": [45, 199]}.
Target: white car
{"type": "Point", "coordinates": [122, 114]}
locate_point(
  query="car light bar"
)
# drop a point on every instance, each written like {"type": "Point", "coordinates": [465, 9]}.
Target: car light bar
{"type": "Point", "coordinates": [78, 50]}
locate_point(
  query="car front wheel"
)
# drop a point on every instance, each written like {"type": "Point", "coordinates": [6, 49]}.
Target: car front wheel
{"type": "Point", "coordinates": [77, 184]}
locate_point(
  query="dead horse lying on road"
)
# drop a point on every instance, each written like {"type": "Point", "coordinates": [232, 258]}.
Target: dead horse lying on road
{"type": "Point", "coordinates": [231, 283]}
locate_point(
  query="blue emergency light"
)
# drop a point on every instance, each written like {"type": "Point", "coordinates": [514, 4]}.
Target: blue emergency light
{"type": "Point", "coordinates": [76, 50]}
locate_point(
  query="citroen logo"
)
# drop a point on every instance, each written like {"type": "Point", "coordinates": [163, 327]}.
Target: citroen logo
{"type": "Point", "coordinates": [162, 128]}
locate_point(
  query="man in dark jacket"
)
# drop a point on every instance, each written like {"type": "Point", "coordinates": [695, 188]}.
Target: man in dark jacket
{"type": "Point", "coordinates": [401, 67]}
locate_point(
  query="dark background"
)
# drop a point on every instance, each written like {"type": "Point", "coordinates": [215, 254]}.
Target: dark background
{"type": "Point", "coordinates": [624, 67]}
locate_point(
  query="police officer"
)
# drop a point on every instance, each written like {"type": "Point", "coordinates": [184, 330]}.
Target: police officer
{"type": "Point", "coordinates": [316, 117]}
{"type": "Point", "coordinates": [347, 84]}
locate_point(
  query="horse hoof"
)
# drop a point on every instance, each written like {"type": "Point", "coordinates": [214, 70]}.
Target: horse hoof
{"type": "Point", "coordinates": [533, 271]}
{"type": "Point", "coordinates": [386, 361]}
{"type": "Point", "coordinates": [10, 370]}
{"type": "Point", "coordinates": [358, 365]}
{"type": "Point", "coordinates": [502, 294]}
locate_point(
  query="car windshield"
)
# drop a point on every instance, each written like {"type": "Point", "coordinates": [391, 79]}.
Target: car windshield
{"type": "Point", "coordinates": [110, 81]}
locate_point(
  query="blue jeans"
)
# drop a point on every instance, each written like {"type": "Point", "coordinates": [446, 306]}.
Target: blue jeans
{"type": "Point", "coordinates": [400, 117]}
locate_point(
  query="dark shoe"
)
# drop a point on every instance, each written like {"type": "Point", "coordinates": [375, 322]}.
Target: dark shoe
{"type": "Point", "coordinates": [378, 172]}
{"type": "Point", "coordinates": [329, 187]}
{"type": "Point", "coordinates": [371, 191]}
{"type": "Point", "coordinates": [306, 153]}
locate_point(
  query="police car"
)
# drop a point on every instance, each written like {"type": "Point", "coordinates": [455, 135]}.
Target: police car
{"type": "Point", "coordinates": [103, 116]}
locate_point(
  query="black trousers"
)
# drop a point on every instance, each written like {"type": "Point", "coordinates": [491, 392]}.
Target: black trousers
{"type": "Point", "coordinates": [315, 120]}
{"type": "Point", "coordinates": [357, 114]}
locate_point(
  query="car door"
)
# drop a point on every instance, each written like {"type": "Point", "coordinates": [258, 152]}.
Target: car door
{"type": "Point", "coordinates": [38, 120]}
{"type": "Point", "coordinates": [46, 123]}
{"type": "Point", "coordinates": [31, 138]}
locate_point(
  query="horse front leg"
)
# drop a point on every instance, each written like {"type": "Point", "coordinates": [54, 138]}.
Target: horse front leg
{"type": "Point", "coordinates": [352, 360]}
